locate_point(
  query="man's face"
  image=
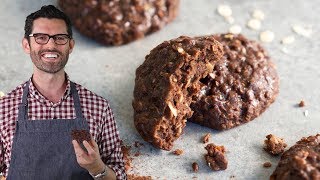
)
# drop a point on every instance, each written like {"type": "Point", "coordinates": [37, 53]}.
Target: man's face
{"type": "Point", "coordinates": [50, 57]}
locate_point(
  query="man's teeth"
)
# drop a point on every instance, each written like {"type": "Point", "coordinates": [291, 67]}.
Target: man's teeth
{"type": "Point", "coordinates": [50, 56]}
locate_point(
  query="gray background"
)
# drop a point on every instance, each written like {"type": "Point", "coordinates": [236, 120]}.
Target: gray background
{"type": "Point", "coordinates": [110, 72]}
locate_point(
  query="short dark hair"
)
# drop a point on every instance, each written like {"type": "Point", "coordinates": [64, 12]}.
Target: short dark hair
{"type": "Point", "coordinates": [49, 12]}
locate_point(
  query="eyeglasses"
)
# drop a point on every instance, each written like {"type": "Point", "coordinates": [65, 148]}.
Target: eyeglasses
{"type": "Point", "coordinates": [59, 39]}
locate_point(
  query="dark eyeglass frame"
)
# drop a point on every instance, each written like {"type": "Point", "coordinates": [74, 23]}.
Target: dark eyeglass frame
{"type": "Point", "coordinates": [54, 37]}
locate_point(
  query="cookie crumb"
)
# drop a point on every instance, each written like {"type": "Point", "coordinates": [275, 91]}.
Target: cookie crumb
{"type": "Point", "coordinates": [287, 40]}
{"type": "Point", "coordinates": [235, 29]}
{"type": "Point", "coordinates": [258, 14]}
{"type": "Point", "coordinates": [267, 36]}
{"type": "Point", "coordinates": [178, 152]}
{"type": "Point", "coordinates": [126, 157]}
{"type": "Point", "coordinates": [138, 177]}
{"type": "Point", "coordinates": [267, 164]}
{"type": "Point", "coordinates": [215, 157]}
{"type": "Point", "coordinates": [254, 24]}
{"type": "Point", "coordinates": [224, 10]}
{"type": "Point", "coordinates": [301, 103]}
{"type": "Point", "coordinates": [206, 138]}
{"type": "Point", "coordinates": [195, 167]}
{"type": "Point", "coordinates": [274, 145]}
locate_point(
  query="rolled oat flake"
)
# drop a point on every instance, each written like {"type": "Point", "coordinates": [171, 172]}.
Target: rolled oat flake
{"type": "Point", "coordinates": [235, 29]}
{"type": "Point", "coordinates": [224, 10]}
{"type": "Point", "coordinates": [254, 24]}
{"type": "Point", "coordinates": [266, 36]}
{"type": "Point", "coordinates": [288, 40]}
{"type": "Point", "coordinates": [258, 14]}
{"type": "Point", "coordinates": [301, 30]}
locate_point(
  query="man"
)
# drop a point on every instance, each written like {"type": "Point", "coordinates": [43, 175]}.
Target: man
{"type": "Point", "coordinates": [37, 117]}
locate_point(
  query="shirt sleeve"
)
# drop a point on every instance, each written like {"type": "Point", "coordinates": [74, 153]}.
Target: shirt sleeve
{"type": "Point", "coordinates": [2, 166]}
{"type": "Point", "coordinates": [110, 145]}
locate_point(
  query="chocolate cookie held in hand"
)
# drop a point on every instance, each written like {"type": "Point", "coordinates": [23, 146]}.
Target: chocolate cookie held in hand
{"type": "Point", "coordinates": [301, 161]}
{"type": "Point", "coordinates": [80, 135]}
{"type": "Point", "coordinates": [115, 22]}
{"type": "Point", "coordinates": [241, 86]}
{"type": "Point", "coordinates": [166, 84]}
{"type": "Point", "coordinates": [215, 158]}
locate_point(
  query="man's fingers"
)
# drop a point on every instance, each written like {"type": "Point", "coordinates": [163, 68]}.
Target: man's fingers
{"type": "Point", "coordinates": [77, 149]}
{"type": "Point", "coordinates": [76, 145]}
{"type": "Point", "coordinates": [95, 145]}
{"type": "Point", "coordinates": [89, 148]}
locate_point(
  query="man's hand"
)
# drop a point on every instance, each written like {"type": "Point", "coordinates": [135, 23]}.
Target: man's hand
{"type": "Point", "coordinates": [91, 160]}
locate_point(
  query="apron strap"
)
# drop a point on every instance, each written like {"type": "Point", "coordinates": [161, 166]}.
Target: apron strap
{"type": "Point", "coordinates": [23, 106]}
{"type": "Point", "coordinates": [76, 101]}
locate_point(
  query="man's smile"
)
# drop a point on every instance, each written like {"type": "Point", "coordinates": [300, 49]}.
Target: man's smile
{"type": "Point", "coordinates": [50, 55]}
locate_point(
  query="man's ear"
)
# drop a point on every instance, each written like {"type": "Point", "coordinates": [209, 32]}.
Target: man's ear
{"type": "Point", "coordinates": [26, 45]}
{"type": "Point", "coordinates": [71, 45]}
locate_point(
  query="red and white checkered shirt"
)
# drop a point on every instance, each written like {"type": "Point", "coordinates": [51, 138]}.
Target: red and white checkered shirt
{"type": "Point", "coordinates": [95, 109]}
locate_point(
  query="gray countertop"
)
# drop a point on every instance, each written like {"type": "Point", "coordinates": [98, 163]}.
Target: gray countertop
{"type": "Point", "coordinates": [110, 72]}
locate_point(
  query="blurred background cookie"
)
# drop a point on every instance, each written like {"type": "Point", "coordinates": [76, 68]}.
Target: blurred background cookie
{"type": "Point", "coordinates": [115, 22]}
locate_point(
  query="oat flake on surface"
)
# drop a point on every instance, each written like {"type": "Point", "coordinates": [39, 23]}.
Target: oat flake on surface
{"type": "Point", "coordinates": [224, 10]}
{"type": "Point", "coordinates": [288, 40]}
{"type": "Point", "coordinates": [266, 36]}
{"type": "Point", "coordinates": [258, 14]}
{"type": "Point", "coordinates": [254, 24]}
{"type": "Point", "coordinates": [235, 29]}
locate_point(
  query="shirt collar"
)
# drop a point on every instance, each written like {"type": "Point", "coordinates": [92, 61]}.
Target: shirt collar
{"type": "Point", "coordinates": [33, 91]}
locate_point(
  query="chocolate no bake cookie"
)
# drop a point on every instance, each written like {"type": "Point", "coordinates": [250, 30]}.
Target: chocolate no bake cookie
{"type": "Point", "coordinates": [166, 84]}
{"type": "Point", "coordinates": [301, 161]}
{"type": "Point", "coordinates": [80, 135]}
{"type": "Point", "coordinates": [194, 79]}
{"type": "Point", "coordinates": [115, 22]}
{"type": "Point", "coordinates": [241, 86]}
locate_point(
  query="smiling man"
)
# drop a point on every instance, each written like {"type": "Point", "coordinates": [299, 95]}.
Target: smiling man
{"type": "Point", "coordinates": [38, 116]}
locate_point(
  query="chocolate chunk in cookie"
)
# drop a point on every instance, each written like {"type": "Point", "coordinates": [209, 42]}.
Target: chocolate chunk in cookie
{"type": "Point", "coordinates": [301, 161]}
{"type": "Point", "coordinates": [115, 22]}
{"type": "Point", "coordinates": [240, 87]}
{"type": "Point", "coordinates": [166, 84]}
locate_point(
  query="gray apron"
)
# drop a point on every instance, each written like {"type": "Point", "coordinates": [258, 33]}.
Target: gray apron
{"type": "Point", "coordinates": [42, 149]}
